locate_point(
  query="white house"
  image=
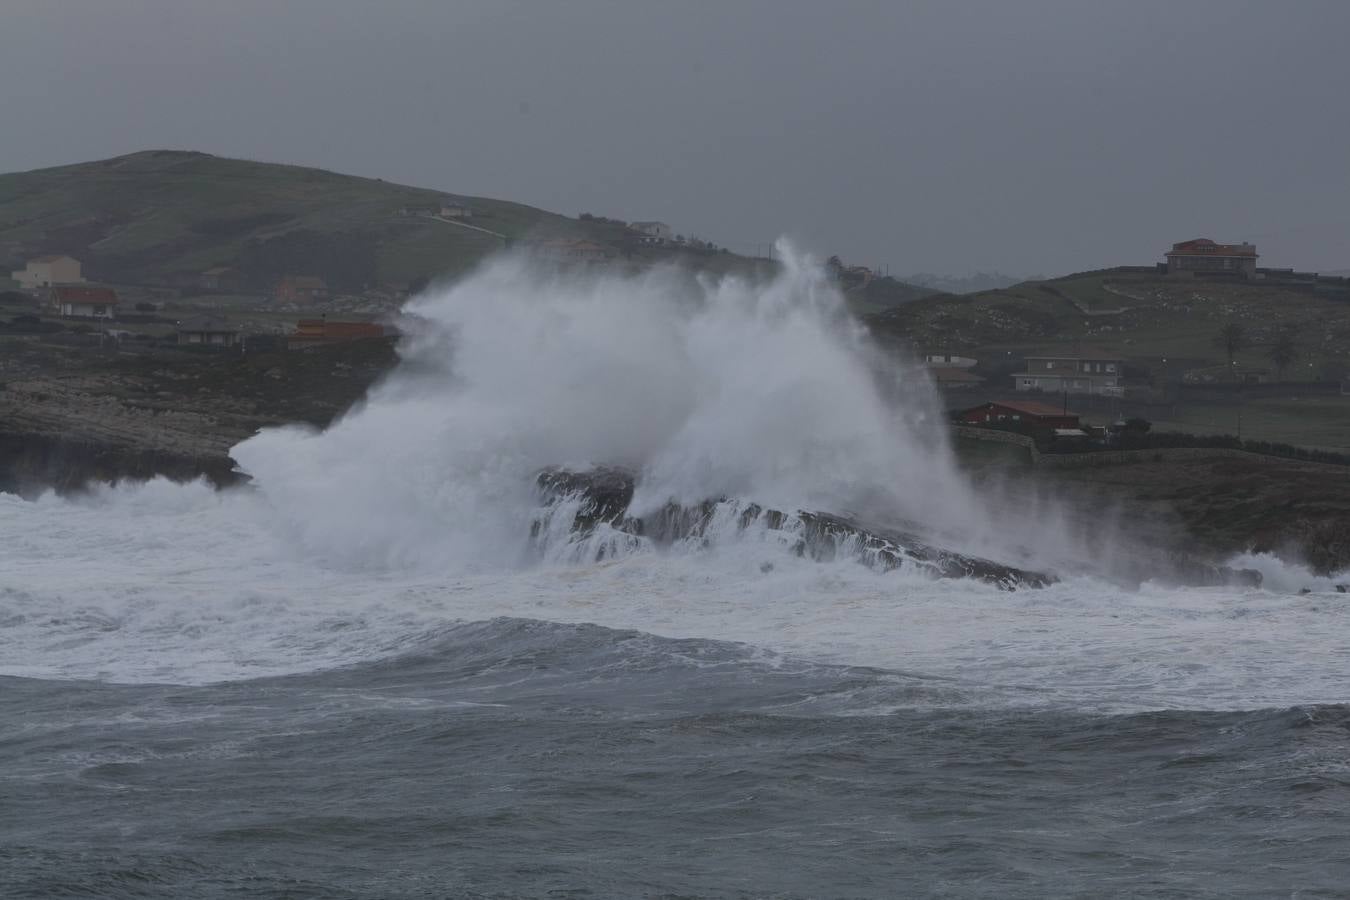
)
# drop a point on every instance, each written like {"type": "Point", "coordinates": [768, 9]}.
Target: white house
{"type": "Point", "coordinates": [46, 271]}
{"type": "Point", "coordinates": [450, 210]}
{"type": "Point", "coordinates": [1084, 372]}
{"type": "Point", "coordinates": [84, 302]}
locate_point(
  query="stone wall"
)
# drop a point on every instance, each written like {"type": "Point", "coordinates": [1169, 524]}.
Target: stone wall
{"type": "Point", "coordinates": [1120, 457]}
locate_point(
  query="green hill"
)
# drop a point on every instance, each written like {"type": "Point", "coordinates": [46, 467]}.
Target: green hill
{"type": "Point", "coordinates": [162, 215]}
{"type": "Point", "coordinates": [1146, 318]}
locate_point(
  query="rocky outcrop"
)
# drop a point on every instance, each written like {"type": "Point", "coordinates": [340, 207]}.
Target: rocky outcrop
{"type": "Point", "coordinates": [597, 501]}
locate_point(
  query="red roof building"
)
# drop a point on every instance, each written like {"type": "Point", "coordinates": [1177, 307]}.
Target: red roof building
{"type": "Point", "coordinates": [313, 332]}
{"type": "Point", "coordinates": [1204, 255]}
{"type": "Point", "coordinates": [83, 301]}
{"type": "Point", "coordinates": [1025, 415]}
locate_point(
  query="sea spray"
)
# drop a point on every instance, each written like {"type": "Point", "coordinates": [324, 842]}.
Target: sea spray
{"type": "Point", "coordinates": [706, 387]}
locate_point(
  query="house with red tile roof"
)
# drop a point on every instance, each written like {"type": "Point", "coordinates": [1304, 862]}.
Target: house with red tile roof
{"type": "Point", "coordinates": [1025, 416]}
{"type": "Point", "coordinates": [82, 301]}
{"type": "Point", "coordinates": [1204, 255]}
{"type": "Point", "coordinates": [318, 332]}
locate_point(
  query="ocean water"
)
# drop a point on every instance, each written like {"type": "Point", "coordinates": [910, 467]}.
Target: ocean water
{"type": "Point", "coordinates": [352, 678]}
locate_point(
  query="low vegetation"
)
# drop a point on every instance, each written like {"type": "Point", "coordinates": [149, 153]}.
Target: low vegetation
{"type": "Point", "coordinates": [160, 214]}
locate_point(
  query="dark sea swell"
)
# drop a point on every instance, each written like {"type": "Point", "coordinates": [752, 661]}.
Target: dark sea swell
{"type": "Point", "coordinates": [518, 758]}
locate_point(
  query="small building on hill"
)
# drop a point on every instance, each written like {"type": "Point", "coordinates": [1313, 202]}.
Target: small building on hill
{"type": "Point", "coordinates": [1099, 372]}
{"type": "Point", "coordinates": [79, 301]}
{"type": "Point", "coordinates": [1202, 255]}
{"type": "Point", "coordinates": [301, 289]}
{"type": "Point", "coordinates": [318, 332]}
{"type": "Point", "coordinates": [1041, 420]}
{"type": "Point", "coordinates": [207, 331]}
{"type": "Point", "coordinates": [453, 210]}
{"type": "Point", "coordinates": [651, 232]}
{"type": "Point", "coordinates": [45, 271]}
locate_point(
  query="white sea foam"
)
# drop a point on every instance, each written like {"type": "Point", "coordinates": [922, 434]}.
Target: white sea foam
{"type": "Point", "coordinates": [414, 511]}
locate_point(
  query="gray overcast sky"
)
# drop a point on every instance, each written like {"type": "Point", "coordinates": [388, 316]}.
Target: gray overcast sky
{"type": "Point", "coordinates": [1027, 136]}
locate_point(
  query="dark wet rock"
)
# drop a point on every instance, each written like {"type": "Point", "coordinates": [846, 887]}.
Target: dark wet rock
{"type": "Point", "coordinates": [603, 496]}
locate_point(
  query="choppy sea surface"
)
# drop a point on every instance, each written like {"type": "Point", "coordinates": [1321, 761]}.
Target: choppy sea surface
{"type": "Point", "coordinates": [188, 709]}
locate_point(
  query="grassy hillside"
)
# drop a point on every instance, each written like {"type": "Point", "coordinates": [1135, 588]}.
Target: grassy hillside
{"type": "Point", "coordinates": [881, 295]}
{"type": "Point", "coordinates": [161, 217]}
{"type": "Point", "coordinates": [157, 214]}
{"type": "Point", "coordinates": [1147, 319]}
{"type": "Point", "coordinates": [1163, 328]}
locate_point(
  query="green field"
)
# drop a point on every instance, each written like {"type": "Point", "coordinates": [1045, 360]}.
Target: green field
{"type": "Point", "coordinates": [1320, 422]}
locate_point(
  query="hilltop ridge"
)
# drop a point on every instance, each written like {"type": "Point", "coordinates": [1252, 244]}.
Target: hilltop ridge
{"type": "Point", "coordinates": [164, 217]}
{"type": "Point", "coordinates": [156, 215]}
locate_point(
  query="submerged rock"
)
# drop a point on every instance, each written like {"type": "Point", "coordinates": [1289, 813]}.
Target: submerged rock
{"type": "Point", "coordinates": [597, 502]}
{"type": "Point", "coordinates": [1186, 570]}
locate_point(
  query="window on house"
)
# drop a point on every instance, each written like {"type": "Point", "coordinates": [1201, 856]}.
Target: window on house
{"type": "Point", "coordinates": [1110, 367]}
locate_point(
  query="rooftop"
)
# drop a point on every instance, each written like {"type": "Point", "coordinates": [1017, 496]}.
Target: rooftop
{"type": "Point", "coordinates": [79, 293]}
{"type": "Point", "coordinates": [1030, 407]}
{"type": "Point", "coordinates": [1206, 247]}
